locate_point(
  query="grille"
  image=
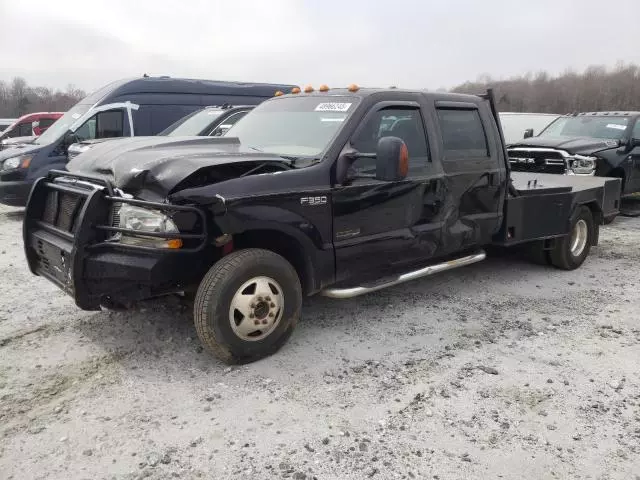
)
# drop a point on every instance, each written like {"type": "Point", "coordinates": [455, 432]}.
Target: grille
{"type": "Point", "coordinates": [537, 161]}
{"type": "Point", "coordinates": [61, 209]}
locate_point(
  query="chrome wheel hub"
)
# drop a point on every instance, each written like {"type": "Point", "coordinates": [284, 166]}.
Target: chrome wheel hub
{"type": "Point", "coordinates": [579, 238]}
{"type": "Point", "coordinates": [256, 308]}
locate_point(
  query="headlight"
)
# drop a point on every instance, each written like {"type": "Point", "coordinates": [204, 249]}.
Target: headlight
{"type": "Point", "coordinates": [142, 220]}
{"type": "Point", "coordinates": [582, 165]}
{"type": "Point", "coordinates": [23, 161]}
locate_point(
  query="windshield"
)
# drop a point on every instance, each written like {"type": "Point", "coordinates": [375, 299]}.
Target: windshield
{"type": "Point", "coordinates": [611, 128]}
{"type": "Point", "coordinates": [192, 124]}
{"type": "Point", "coordinates": [294, 126]}
{"type": "Point", "coordinates": [60, 127]}
{"type": "Point", "coordinates": [514, 124]}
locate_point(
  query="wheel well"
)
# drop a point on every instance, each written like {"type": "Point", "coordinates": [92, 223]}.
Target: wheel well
{"type": "Point", "coordinates": [284, 245]}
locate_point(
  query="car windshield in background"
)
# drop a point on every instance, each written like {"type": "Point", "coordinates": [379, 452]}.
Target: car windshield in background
{"type": "Point", "coordinates": [294, 126]}
{"type": "Point", "coordinates": [192, 124]}
{"type": "Point", "coordinates": [605, 127]}
{"type": "Point", "coordinates": [60, 126]}
{"type": "Point", "coordinates": [515, 124]}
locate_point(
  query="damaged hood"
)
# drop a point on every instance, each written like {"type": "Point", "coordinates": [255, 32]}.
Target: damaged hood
{"type": "Point", "coordinates": [573, 145]}
{"type": "Point", "coordinates": [159, 164]}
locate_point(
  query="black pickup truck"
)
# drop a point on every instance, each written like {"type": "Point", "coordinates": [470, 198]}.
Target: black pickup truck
{"type": "Point", "coordinates": [340, 192]}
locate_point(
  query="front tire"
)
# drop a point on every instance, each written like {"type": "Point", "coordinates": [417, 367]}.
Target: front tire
{"type": "Point", "coordinates": [247, 305]}
{"type": "Point", "coordinates": [571, 250]}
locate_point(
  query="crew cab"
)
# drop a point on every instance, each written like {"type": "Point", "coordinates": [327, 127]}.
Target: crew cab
{"type": "Point", "coordinates": [338, 192]}
{"type": "Point", "coordinates": [210, 121]}
{"type": "Point", "coordinates": [604, 144]}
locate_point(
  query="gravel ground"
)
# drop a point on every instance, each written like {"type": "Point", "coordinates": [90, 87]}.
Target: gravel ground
{"type": "Point", "coordinates": [499, 370]}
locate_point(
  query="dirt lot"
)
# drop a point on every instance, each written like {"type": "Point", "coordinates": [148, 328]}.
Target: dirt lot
{"type": "Point", "coordinates": [500, 370]}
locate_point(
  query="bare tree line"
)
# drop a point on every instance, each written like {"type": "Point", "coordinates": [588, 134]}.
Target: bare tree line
{"type": "Point", "coordinates": [596, 89]}
{"type": "Point", "coordinates": [18, 98]}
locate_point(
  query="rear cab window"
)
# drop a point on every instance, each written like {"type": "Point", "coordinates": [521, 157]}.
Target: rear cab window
{"type": "Point", "coordinates": [463, 134]}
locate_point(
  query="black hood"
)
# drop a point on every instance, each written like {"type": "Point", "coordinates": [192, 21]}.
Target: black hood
{"type": "Point", "coordinates": [573, 145]}
{"type": "Point", "coordinates": [158, 164]}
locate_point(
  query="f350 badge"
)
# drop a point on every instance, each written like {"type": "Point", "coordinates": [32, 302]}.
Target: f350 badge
{"type": "Point", "coordinates": [313, 201]}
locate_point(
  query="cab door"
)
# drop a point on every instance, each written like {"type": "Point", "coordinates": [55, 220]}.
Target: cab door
{"type": "Point", "coordinates": [382, 226]}
{"type": "Point", "coordinates": [475, 177]}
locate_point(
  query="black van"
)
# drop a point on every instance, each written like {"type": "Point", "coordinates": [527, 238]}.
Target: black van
{"type": "Point", "coordinates": [143, 106]}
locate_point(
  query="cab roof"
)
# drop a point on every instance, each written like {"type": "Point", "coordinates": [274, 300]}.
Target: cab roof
{"type": "Point", "coordinates": [604, 114]}
{"type": "Point", "coordinates": [367, 92]}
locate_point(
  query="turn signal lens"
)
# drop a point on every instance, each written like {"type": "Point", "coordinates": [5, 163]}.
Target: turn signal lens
{"type": "Point", "coordinates": [174, 243]}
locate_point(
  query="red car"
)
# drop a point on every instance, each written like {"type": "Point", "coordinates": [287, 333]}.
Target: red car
{"type": "Point", "coordinates": [31, 125]}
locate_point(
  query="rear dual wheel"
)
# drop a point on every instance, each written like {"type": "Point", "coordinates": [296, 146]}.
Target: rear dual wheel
{"type": "Point", "coordinates": [247, 305]}
{"type": "Point", "coordinates": [570, 251]}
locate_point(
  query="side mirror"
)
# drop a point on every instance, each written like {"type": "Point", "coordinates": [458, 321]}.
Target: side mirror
{"type": "Point", "coordinates": [528, 133]}
{"type": "Point", "coordinates": [392, 159]}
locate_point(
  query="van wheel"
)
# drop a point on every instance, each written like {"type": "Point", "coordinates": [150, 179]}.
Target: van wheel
{"type": "Point", "coordinates": [571, 250]}
{"type": "Point", "coordinates": [247, 305]}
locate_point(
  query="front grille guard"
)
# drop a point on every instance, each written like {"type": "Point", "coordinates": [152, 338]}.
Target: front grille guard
{"type": "Point", "coordinates": [88, 186]}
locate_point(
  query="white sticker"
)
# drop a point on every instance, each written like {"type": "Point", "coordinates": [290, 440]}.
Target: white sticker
{"type": "Point", "coordinates": [75, 116]}
{"type": "Point", "coordinates": [333, 107]}
{"type": "Point", "coordinates": [616, 126]}
{"type": "Point", "coordinates": [332, 119]}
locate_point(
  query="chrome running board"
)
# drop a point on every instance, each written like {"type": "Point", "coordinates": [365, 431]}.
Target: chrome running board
{"type": "Point", "coordinates": [405, 277]}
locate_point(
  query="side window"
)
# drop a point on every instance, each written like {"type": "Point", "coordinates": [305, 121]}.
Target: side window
{"type": "Point", "coordinates": [109, 124]}
{"type": "Point", "coordinates": [227, 124]}
{"type": "Point", "coordinates": [24, 130]}
{"type": "Point", "coordinates": [636, 130]}
{"type": "Point", "coordinates": [405, 123]}
{"type": "Point", "coordinates": [463, 135]}
{"type": "Point", "coordinates": [87, 131]}
{"type": "Point", "coordinates": [46, 123]}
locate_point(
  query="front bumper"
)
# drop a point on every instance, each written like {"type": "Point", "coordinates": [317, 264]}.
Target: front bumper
{"type": "Point", "coordinates": [15, 193]}
{"type": "Point", "coordinates": [73, 250]}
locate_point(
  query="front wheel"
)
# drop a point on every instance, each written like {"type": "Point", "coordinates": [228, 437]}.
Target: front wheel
{"type": "Point", "coordinates": [570, 251]}
{"type": "Point", "coordinates": [247, 305]}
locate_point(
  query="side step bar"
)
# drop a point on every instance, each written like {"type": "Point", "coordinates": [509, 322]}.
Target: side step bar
{"type": "Point", "coordinates": [405, 277]}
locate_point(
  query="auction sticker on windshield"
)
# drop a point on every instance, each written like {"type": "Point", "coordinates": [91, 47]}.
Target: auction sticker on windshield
{"type": "Point", "coordinates": [333, 107]}
{"type": "Point", "coordinates": [617, 126]}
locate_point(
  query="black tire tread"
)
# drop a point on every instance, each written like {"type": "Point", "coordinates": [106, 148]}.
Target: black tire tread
{"type": "Point", "coordinates": [559, 255]}
{"type": "Point", "coordinates": [221, 270]}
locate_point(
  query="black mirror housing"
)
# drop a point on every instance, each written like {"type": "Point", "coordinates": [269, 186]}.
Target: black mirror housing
{"type": "Point", "coordinates": [528, 133]}
{"type": "Point", "coordinates": [392, 159]}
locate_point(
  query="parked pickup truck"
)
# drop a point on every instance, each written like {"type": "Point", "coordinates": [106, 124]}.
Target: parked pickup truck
{"type": "Point", "coordinates": [604, 144]}
{"type": "Point", "coordinates": [337, 192]}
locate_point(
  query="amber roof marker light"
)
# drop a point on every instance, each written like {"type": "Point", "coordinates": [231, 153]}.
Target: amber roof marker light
{"type": "Point", "coordinates": [295, 90]}
{"type": "Point", "coordinates": [308, 89]}
{"type": "Point", "coordinates": [278, 94]}
{"type": "Point", "coordinates": [353, 87]}
{"type": "Point", "coordinates": [323, 88]}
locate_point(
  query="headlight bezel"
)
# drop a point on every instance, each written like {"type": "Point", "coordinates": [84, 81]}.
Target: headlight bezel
{"type": "Point", "coordinates": [18, 162]}
{"type": "Point", "coordinates": [583, 164]}
{"type": "Point", "coordinates": [137, 221]}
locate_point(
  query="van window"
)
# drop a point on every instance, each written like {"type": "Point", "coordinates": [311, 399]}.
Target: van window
{"type": "Point", "coordinates": [109, 124]}
{"type": "Point", "coordinates": [462, 134]}
{"type": "Point", "coordinates": [87, 131]}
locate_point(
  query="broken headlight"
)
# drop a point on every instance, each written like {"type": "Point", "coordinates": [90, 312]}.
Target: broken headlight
{"type": "Point", "coordinates": [141, 220]}
{"type": "Point", "coordinates": [582, 165]}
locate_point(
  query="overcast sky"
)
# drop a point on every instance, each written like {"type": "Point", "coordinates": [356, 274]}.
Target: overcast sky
{"type": "Point", "coordinates": [408, 43]}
